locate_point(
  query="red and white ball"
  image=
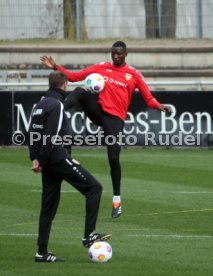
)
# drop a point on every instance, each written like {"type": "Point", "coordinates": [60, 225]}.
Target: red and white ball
{"type": "Point", "coordinates": [100, 252]}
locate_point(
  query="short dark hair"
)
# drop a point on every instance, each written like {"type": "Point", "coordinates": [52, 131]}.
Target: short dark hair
{"type": "Point", "coordinates": [57, 79]}
{"type": "Point", "coordinates": [120, 44]}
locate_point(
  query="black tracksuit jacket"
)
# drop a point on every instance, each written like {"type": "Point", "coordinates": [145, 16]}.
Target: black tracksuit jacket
{"type": "Point", "coordinates": [47, 120]}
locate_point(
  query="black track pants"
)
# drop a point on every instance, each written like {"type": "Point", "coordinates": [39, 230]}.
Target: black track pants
{"type": "Point", "coordinates": [79, 178]}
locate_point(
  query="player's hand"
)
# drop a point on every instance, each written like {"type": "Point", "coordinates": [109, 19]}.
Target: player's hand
{"type": "Point", "coordinates": [36, 166]}
{"type": "Point", "coordinates": [164, 108]}
{"type": "Point", "coordinates": [49, 62]}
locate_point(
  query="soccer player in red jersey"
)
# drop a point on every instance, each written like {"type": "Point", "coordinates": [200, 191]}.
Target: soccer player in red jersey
{"type": "Point", "coordinates": [109, 108]}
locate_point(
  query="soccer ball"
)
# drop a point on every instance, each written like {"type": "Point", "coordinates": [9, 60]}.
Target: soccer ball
{"type": "Point", "coordinates": [95, 83]}
{"type": "Point", "coordinates": [100, 252]}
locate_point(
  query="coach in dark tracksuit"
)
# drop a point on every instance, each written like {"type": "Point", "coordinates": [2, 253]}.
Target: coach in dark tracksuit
{"type": "Point", "coordinates": [49, 125]}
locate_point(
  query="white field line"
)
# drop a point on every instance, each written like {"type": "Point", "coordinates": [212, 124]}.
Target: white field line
{"type": "Point", "coordinates": [191, 192]}
{"type": "Point", "coordinates": [167, 213]}
{"type": "Point", "coordinates": [174, 192]}
{"type": "Point", "coordinates": [175, 236]}
{"type": "Point", "coordinates": [62, 191]}
{"type": "Point", "coordinates": [18, 234]}
{"type": "Point", "coordinates": [171, 236]}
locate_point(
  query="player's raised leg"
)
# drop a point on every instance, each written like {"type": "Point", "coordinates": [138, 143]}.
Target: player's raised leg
{"type": "Point", "coordinates": [87, 101]}
{"type": "Point", "coordinates": [113, 126]}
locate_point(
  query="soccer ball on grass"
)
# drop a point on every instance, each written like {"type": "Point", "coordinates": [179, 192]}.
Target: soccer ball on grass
{"type": "Point", "coordinates": [100, 252]}
{"type": "Point", "coordinates": [94, 83]}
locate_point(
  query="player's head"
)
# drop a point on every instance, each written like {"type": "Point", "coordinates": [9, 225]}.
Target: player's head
{"type": "Point", "coordinates": [119, 53]}
{"type": "Point", "coordinates": [58, 79]}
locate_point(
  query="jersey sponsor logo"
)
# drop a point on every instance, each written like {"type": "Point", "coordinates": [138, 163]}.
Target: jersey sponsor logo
{"type": "Point", "coordinates": [37, 111]}
{"type": "Point", "coordinates": [108, 70]}
{"type": "Point", "coordinates": [111, 80]}
{"type": "Point", "coordinates": [128, 76]}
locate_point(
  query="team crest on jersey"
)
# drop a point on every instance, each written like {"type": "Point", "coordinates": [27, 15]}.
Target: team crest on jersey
{"type": "Point", "coordinates": [128, 76]}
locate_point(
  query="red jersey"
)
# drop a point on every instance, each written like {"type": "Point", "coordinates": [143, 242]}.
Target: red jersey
{"type": "Point", "coordinates": [120, 83]}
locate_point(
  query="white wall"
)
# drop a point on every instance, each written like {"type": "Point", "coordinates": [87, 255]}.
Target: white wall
{"type": "Point", "coordinates": [126, 18]}
{"type": "Point", "coordinates": [114, 18]}
{"type": "Point", "coordinates": [21, 19]}
{"type": "Point", "coordinates": [187, 19]}
{"type": "Point", "coordinates": [208, 18]}
{"type": "Point", "coordinates": [31, 19]}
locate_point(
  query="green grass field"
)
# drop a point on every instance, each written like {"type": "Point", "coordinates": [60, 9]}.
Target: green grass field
{"type": "Point", "coordinates": [166, 227]}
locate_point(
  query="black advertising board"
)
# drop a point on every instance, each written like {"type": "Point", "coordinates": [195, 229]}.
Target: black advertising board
{"type": "Point", "coordinates": [189, 124]}
{"type": "Point", "coordinates": [6, 117]}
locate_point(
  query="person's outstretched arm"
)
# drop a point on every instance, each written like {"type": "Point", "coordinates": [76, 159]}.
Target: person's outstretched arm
{"type": "Point", "coordinates": [148, 97]}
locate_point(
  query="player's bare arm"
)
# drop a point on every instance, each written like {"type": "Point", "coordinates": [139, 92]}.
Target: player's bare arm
{"type": "Point", "coordinates": [49, 62]}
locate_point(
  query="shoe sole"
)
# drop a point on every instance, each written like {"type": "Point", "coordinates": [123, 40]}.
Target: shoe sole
{"type": "Point", "coordinates": [45, 261]}
{"type": "Point", "coordinates": [105, 238]}
{"type": "Point", "coordinates": [116, 216]}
